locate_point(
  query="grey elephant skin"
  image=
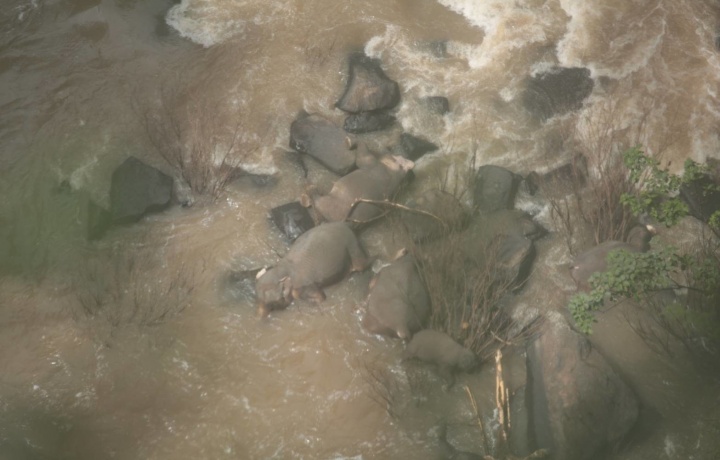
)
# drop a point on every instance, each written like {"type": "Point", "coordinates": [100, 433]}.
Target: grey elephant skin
{"type": "Point", "coordinates": [318, 258]}
{"type": "Point", "coordinates": [377, 179]}
{"type": "Point", "coordinates": [595, 259]}
{"type": "Point", "coordinates": [398, 302]}
{"type": "Point", "coordinates": [440, 349]}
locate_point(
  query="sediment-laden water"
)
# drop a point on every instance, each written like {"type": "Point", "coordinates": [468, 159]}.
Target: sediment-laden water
{"type": "Point", "coordinates": [174, 363]}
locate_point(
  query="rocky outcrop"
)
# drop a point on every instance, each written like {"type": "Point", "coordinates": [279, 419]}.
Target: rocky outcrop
{"type": "Point", "coordinates": [292, 219]}
{"type": "Point", "coordinates": [318, 137]}
{"type": "Point", "coordinates": [413, 147]}
{"type": "Point", "coordinates": [137, 189]}
{"type": "Point", "coordinates": [579, 405]}
{"type": "Point", "coordinates": [368, 88]}
{"type": "Point", "coordinates": [495, 188]}
{"type": "Point", "coordinates": [558, 91]}
{"type": "Point", "coordinates": [504, 239]}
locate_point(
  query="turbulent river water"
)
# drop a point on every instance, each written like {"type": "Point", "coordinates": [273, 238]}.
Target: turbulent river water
{"type": "Point", "coordinates": [174, 364]}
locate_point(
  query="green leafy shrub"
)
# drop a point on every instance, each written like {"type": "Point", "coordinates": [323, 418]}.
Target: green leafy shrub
{"type": "Point", "coordinates": [692, 313]}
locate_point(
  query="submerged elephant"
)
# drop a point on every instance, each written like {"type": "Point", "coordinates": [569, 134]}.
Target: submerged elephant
{"type": "Point", "coordinates": [377, 179]}
{"type": "Point", "coordinates": [398, 303]}
{"type": "Point", "coordinates": [318, 258]}
{"type": "Point", "coordinates": [438, 348]}
{"type": "Point", "coordinates": [595, 259]}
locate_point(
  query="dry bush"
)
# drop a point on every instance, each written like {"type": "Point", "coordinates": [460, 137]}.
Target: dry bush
{"type": "Point", "coordinates": [120, 292]}
{"type": "Point", "coordinates": [466, 296]}
{"type": "Point", "coordinates": [589, 197]}
{"type": "Point", "coordinates": [191, 134]}
{"type": "Point", "coordinates": [385, 388]}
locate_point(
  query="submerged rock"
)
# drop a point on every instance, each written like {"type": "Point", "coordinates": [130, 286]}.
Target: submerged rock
{"type": "Point", "coordinates": [367, 122]}
{"type": "Point", "coordinates": [558, 91]}
{"type": "Point", "coordinates": [368, 88]}
{"type": "Point", "coordinates": [437, 104]}
{"type": "Point", "coordinates": [137, 189]}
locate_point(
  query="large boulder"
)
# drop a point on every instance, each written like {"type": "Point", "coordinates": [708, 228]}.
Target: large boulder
{"type": "Point", "coordinates": [495, 188]}
{"type": "Point", "coordinates": [579, 405]}
{"type": "Point", "coordinates": [137, 189]}
{"type": "Point", "coordinates": [557, 91]}
{"type": "Point", "coordinates": [318, 137]}
{"type": "Point", "coordinates": [505, 240]}
{"type": "Point", "coordinates": [368, 88]}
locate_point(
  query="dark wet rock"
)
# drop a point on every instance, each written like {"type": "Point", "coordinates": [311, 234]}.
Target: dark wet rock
{"type": "Point", "coordinates": [413, 147]}
{"type": "Point", "coordinates": [505, 239]}
{"type": "Point", "coordinates": [451, 213]}
{"type": "Point", "coordinates": [439, 349]}
{"type": "Point", "coordinates": [578, 404]}
{"type": "Point", "coordinates": [137, 189]}
{"type": "Point", "coordinates": [367, 122]}
{"type": "Point", "coordinates": [368, 88]}
{"type": "Point", "coordinates": [702, 197]}
{"type": "Point", "coordinates": [98, 221]}
{"type": "Point", "coordinates": [595, 259]}
{"type": "Point", "coordinates": [292, 219]}
{"type": "Point", "coordinates": [239, 285]}
{"type": "Point", "coordinates": [558, 91]}
{"type": "Point", "coordinates": [437, 104]}
{"type": "Point", "coordinates": [398, 303]}
{"type": "Point", "coordinates": [321, 139]}
{"type": "Point", "coordinates": [438, 48]}
{"type": "Point", "coordinates": [495, 188]}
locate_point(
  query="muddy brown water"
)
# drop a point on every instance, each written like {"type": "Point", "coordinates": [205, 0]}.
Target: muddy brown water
{"type": "Point", "coordinates": [174, 363]}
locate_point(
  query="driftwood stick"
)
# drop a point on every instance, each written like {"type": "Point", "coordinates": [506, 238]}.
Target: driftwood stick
{"type": "Point", "coordinates": [389, 204]}
{"type": "Point", "coordinates": [486, 445]}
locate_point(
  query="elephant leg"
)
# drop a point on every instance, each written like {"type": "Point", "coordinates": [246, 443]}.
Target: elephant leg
{"type": "Point", "coordinates": [312, 293]}
{"type": "Point", "coordinates": [358, 260]}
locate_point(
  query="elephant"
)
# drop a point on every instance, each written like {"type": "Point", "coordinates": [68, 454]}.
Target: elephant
{"type": "Point", "coordinates": [377, 178]}
{"type": "Point", "coordinates": [449, 452]}
{"type": "Point", "coordinates": [438, 348]}
{"type": "Point", "coordinates": [595, 259]}
{"type": "Point", "coordinates": [318, 258]}
{"type": "Point", "coordinates": [398, 304]}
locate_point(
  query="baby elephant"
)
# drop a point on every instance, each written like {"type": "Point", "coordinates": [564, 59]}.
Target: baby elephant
{"type": "Point", "coordinates": [438, 348]}
{"type": "Point", "coordinates": [377, 179]}
{"type": "Point", "coordinates": [318, 258]}
{"type": "Point", "coordinates": [398, 303]}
